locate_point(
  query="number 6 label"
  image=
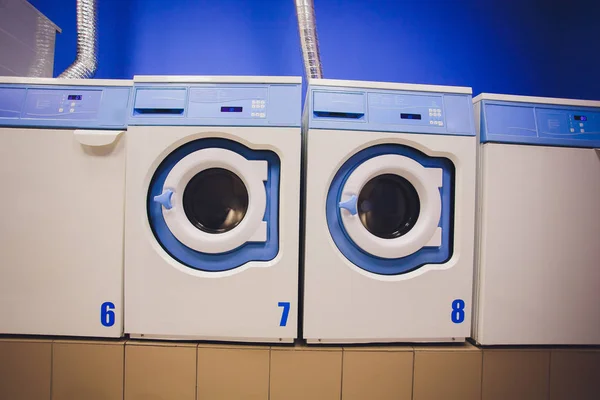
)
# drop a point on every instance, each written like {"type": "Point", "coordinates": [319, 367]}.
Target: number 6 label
{"type": "Point", "coordinates": [107, 314]}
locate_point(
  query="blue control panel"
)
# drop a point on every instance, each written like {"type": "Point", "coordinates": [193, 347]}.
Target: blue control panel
{"type": "Point", "coordinates": [60, 106]}
{"type": "Point", "coordinates": [539, 124]}
{"type": "Point", "coordinates": [389, 111]}
{"type": "Point", "coordinates": [216, 104]}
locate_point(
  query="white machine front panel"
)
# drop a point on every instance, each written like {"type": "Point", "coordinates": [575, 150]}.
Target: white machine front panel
{"type": "Point", "coordinates": [342, 303]}
{"type": "Point", "coordinates": [166, 299]}
{"type": "Point", "coordinates": [61, 264]}
{"type": "Point", "coordinates": [540, 245]}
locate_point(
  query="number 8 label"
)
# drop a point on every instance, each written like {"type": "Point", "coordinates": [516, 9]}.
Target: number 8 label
{"type": "Point", "coordinates": [458, 311]}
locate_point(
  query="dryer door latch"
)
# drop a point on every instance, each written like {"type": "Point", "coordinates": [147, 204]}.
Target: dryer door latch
{"type": "Point", "coordinates": [350, 204]}
{"type": "Point", "coordinates": [164, 199]}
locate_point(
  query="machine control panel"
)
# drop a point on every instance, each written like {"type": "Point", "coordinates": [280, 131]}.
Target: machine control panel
{"type": "Point", "coordinates": [62, 106]}
{"type": "Point", "coordinates": [216, 104]}
{"type": "Point", "coordinates": [406, 109]}
{"type": "Point", "coordinates": [390, 110]}
{"type": "Point", "coordinates": [230, 103]}
{"type": "Point", "coordinates": [567, 122]}
{"type": "Point", "coordinates": [542, 124]}
{"type": "Point", "coordinates": [76, 104]}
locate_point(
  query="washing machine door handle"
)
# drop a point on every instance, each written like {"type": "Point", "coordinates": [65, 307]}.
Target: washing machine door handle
{"type": "Point", "coordinates": [350, 204]}
{"type": "Point", "coordinates": [164, 199]}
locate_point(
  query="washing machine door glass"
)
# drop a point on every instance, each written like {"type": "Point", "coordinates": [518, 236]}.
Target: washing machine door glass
{"type": "Point", "coordinates": [215, 200]}
{"type": "Point", "coordinates": [390, 206]}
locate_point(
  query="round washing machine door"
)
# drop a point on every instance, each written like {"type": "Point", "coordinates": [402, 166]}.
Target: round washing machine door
{"type": "Point", "coordinates": [214, 200]}
{"type": "Point", "coordinates": [390, 206]}
{"type": "Point", "coordinates": [389, 209]}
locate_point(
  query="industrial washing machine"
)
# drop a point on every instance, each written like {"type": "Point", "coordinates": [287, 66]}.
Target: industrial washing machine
{"type": "Point", "coordinates": [538, 251]}
{"type": "Point", "coordinates": [62, 165]}
{"type": "Point", "coordinates": [212, 214]}
{"type": "Point", "coordinates": [389, 212]}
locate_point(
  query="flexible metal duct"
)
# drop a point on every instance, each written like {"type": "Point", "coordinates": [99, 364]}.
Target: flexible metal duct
{"type": "Point", "coordinates": [86, 63]}
{"type": "Point", "coordinates": [45, 38]}
{"type": "Point", "coordinates": [307, 26]}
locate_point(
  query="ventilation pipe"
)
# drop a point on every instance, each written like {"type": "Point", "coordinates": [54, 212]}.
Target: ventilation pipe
{"type": "Point", "coordinates": [307, 27]}
{"type": "Point", "coordinates": [86, 62]}
{"type": "Point", "coordinates": [45, 39]}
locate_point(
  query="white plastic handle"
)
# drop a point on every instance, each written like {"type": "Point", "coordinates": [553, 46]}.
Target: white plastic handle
{"type": "Point", "coordinates": [90, 137]}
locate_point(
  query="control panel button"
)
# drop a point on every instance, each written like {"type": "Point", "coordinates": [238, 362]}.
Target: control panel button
{"type": "Point", "coordinates": [72, 110]}
{"type": "Point", "coordinates": [572, 129]}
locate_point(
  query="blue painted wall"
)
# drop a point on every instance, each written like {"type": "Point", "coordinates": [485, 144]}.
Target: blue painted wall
{"type": "Point", "coordinates": [532, 47]}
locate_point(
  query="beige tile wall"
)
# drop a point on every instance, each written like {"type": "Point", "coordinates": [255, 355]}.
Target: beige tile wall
{"type": "Point", "coordinates": [160, 371]}
{"type": "Point", "coordinates": [134, 370]}
{"type": "Point", "coordinates": [377, 373]}
{"type": "Point", "coordinates": [233, 372]}
{"type": "Point", "coordinates": [299, 373]}
{"type": "Point", "coordinates": [25, 369]}
{"type": "Point", "coordinates": [87, 370]}
{"type": "Point", "coordinates": [447, 373]}
{"type": "Point", "coordinates": [515, 374]}
{"type": "Point", "coordinates": [574, 375]}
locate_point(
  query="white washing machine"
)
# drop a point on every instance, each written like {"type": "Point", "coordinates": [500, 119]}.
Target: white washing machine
{"type": "Point", "coordinates": [212, 214]}
{"type": "Point", "coordinates": [62, 166]}
{"type": "Point", "coordinates": [538, 258]}
{"type": "Point", "coordinates": [389, 212]}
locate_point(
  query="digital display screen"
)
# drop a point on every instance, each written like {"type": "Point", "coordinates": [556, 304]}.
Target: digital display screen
{"type": "Point", "coordinates": [410, 116]}
{"type": "Point", "coordinates": [580, 118]}
{"type": "Point", "coordinates": [232, 109]}
{"type": "Point", "coordinates": [74, 97]}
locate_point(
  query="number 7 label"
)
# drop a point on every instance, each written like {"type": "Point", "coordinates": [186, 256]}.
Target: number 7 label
{"type": "Point", "coordinates": [285, 312]}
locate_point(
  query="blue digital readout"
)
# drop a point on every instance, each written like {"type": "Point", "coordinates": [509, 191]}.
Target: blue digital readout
{"type": "Point", "coordinates": [74, 97]}
{"type": "Point", "coordinates": [232, 109]}
{"type": "Point", "coordinates": [580, 118]}
{"type": "Point", "coordinates": [410, 116]}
